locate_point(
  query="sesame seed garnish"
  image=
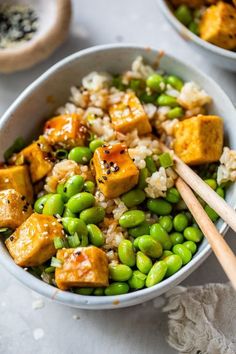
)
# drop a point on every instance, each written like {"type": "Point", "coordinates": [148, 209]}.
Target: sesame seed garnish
{"type": "Point", "coordinates": [106, 151]}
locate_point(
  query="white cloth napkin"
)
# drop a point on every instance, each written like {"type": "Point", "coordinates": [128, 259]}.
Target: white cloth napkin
{"type": "Point", "coordinates": [202, 319]}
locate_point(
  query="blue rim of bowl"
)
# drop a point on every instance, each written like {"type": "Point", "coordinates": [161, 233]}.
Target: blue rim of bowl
{"type": "Point", "coordinates": [190, 35]}
{"type": "Point", "coordinates": [102, 302]}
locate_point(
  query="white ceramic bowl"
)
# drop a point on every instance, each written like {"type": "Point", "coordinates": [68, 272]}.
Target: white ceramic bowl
{"type": "Point", "coordinates": [52, 89]}
{"type": "Point", "coordinates": [219, 56]}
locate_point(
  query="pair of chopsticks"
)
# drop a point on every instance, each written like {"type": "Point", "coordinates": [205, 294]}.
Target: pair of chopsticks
{"type": "Point", "coordinates": [188, 178]}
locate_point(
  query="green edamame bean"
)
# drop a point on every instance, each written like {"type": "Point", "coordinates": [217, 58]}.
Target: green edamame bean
{"type": "Point", "coordinates": [60, 190]}
{"type": "Point", "coordinates": [74, 225]}
{"type": "Point", "coordinates": [150, 247]}
{"type": "Point", "coordinates": [143, 175]}
{"type": "Point", "coordinates": [172, 195]}
{"type": "Point", "coordinates": [183, 14]}
{"type": "Point", "coordinates": [133, 198]}
{"type": "Point", "coordinates": [120, 272]}
{"type": "Point", "coordinates": [159, 206]}
{"type": "Point", "coordinates": [220, 191]}
{"type": "Point", "coordinates": [84, 291]}
{"type": "Point", "coordinates": [159, 234]}
{"type": "Point", "coordinates": [137, 281]}
{"type": "Point", "coordinates": [150, 164]}
{"type": "Point", "coordinates": [147, 97]}
{"type": "Point", "coordinates": [176, 112]}
{"type": "Point", "coordinates": [174, 263]}
{"type": "Point", "coordinates": [211, 182]}
{"type": "Point", "coordinates": [80, 154]}
{"type": "Point", "coordinates": [175, 82]}
{"type": "Point", "coordinates": [176, 238]}
{"type": "Point", "coordinates": [191, 246]}
{"type": "Point", "coordinates": [156, 82]}
{"type": "Point", "coordinates": [96, 236]}
{"type": "Point", "coordinates": [183, 252]}
{"type": "Point", "coordinates": [40, 202]}
{"type": "Point", "coordinates": [80, 201]}
{"type": "Point", "coordinates": [117, 288]}
{"type": "Point", "coordinates": [93, 215]}
{"type": "Point", "coordinates": [166, 100]}
{"type": "Point", "coordinates": [98, 291]}
{"type": "Point", "coordinates": [156, 274]}
{"type": "Point", "coordinates": [192, 233]}
{"type": "Point", "coordinates": [132, 218]}
{"type": "Point", "coordinates": [73, 186]}
{"type": "Point", "coordinates": [142, 229]}
{"type": "Point", "coordinates": [165, 254]}
{"type": "Point", "coordinates": [180, 222]}
{"type": "Point", "coordinates": [166, 223]}
{"type": "Point", "coordinates": [96, 143]}
{"type": "Point", "coordinates": [68, 213]}
{"type": "Point", "coordinates": [143, 262]}
{"type": "Point", "coordinates": [54, 205]}
{"type": "Point", "coordinates": [89, 187]}
{"type": "Point", "coordinates": [126, 253]}
{"type": "Point", "coordinates": [136, 241]}
{"type": "Point", "coordinates": [211, 213]}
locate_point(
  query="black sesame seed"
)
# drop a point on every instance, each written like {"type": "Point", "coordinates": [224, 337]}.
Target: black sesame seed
{"type": "Point", "coordinates": [116, 168]}
{"type": "Point", "coordinates": [108, 172]}
{"type": "Point", "coordinates": [11, 238]}
{"type": "Point", "coordinates": [104, 177]}
{"type": "Point", "coordinates": [23, 197]}
{"type": "Point", "coordinates": [8, 201]}
{"type": "Point", "coordinates": [106, 151]}
{"type": "Point", "coordinates": [77, 253]}
{"type": "Point", "coordinates": [111, 163]}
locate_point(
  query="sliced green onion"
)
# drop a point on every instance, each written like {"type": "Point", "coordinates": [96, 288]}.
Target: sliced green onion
{"type": "Point", "coordinates": [56, 263]}
{"type": "Point", "coordinates": [17, 146]}
{"type": "Point", "coordinates": [61, 154]}
{"type": "Point", "coordinates": [84, 240]}
{"type": "Point", "coordinates": [166, 160]}
{"type": "Point", "coordinates": [5, 232]}
{"type": "Point", "coordinates": [150, 164]}
{"type": "Point", "coordinates": [73, 241]}
{"type": "Point", "coordinates": [58, 243]}
{"type": "Point", "coordinates": [49, 270]}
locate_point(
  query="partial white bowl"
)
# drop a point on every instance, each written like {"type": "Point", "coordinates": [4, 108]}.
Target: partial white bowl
{"type": "Point", "coordinates": [219, 56]}
{"type": "Point", "coordinates": [39, 101]}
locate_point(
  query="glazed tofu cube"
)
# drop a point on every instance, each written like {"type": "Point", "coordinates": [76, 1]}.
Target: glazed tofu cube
{"type": "Point", "coordinates": [39, 165]}
{"type": "Point", "coordinates": [17, 177]}
{"type": "Point", "coordinates": [218, 25]}
{"type": "Point", "coordinates": [32, 243]}
{"type": "Point", "coordinates": [129, 115]}
{"type": "Point", "coordinates": [116, 173]}
{"type": "Point", "coordinates": [199, 139]}
{"type": "Point", "coordinates": [65, 130]}
{"type": "Point", "coordinates": [14, 209]}
{"type": "Point", "coordinates": [82, 267]}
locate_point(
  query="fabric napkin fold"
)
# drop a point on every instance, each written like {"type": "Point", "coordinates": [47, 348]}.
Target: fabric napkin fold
{"type": "Point", "coordinates": [202, 319]}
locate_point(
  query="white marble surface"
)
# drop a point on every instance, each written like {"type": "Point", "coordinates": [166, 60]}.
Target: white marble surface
{"type": "Point", "coordinates": [141, 329]}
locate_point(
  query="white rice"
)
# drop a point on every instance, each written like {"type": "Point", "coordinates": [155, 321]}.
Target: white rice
{"type": "Point", "coordinates": [227, 170]}
{"type": "Point", "coordinates": [95, 81]}
{"type": "Point", "coordinates": [158, 183]}
{"type": "Point", "coordinates": [120, 208]}
{"type": "Point", "coordinates": [192, 96]}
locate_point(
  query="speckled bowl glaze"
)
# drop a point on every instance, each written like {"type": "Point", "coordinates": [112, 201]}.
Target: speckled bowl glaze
{"type": "Point", "coordinates": [39, 101]}
{"type": "Point", "coordinates": [219, 56]}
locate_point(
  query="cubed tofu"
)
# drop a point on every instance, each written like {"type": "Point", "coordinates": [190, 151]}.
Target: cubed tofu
{"type": "Point", "coordinates": [14, 209]}
{"type": "Point", "coordinates": [39, 165]}
{"type": "Point", "coordinates": [129, 115]}
{"type": "Point", "coordinates": [17, 177]}
{"type": "Point", "coordinates": [115, 171]}
{"type": "Point", "coordinates": [199, 139]}
{"type": "Point", "coordinates": [218, 25]}
{"type": "Point", "coordinates": [66, 130]}
{"type": "Point", "coordinates": [82, 267]}
{"type": "Point", "coordinates": [32, 243]}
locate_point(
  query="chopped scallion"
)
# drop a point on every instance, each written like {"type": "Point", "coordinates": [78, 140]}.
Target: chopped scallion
{"type": "Point", "coordinates": [73, 241]}
{"type": "Point", "coordinates": [17, 146]}
{"type": "Point", "coordinates": [61, 154]}
{"type": "Point", "coordinates": [166, 160]}
{"type": "Point", "coordinates": [49, 270]}
{"type": "Point", "coordinates": [56, 263]}
{"type": "Point", "coordinates": [58, 243]}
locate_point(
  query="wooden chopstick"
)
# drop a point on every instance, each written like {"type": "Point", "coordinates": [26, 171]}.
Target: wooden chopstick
{"type": "Point", "coordinates": [219, 246]}
{"type": "Point", "coordinates": [226, 212]}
